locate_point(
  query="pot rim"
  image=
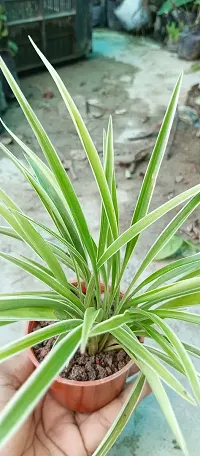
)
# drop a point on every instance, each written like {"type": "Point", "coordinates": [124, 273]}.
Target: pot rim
{"type": "Point", "coordinates": [88, 383]}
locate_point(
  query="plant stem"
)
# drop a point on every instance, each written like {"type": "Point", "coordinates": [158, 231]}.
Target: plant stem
{"type": "Point", "coordinates": [93, 346]}
{"type": "Point", "coordinates": [103, 341]}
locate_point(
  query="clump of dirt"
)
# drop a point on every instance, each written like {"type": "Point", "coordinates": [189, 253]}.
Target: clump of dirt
{"type": "Point", "coordinates": [84, 367]}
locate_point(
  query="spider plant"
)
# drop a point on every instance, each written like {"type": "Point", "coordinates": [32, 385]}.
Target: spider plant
{"type": "Point", "coordinates": [92, 321]}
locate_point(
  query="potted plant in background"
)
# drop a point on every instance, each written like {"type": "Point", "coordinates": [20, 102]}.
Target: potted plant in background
{"type": "Point", "coordinates": [182, 17]}
{"type": "Point", "coordinates": [173, 32]}
{"type": "Point", "coordinates": [91, 317]}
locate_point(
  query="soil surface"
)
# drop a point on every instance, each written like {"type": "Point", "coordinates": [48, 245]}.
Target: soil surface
{"type": "Point", "coordinates": [84, 367]}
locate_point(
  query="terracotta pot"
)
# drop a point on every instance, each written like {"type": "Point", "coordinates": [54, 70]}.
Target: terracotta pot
{"type": "Point", "coordinates": [86, 396]}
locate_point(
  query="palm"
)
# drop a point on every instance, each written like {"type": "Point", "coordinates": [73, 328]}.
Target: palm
{"type": "Point", "coordinates": [52, 430]}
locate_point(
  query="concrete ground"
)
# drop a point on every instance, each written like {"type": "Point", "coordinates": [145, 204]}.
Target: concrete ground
{"type": "Point", "coordinates": [132, 79]}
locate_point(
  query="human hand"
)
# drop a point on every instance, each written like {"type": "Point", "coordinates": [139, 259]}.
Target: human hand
{"type": "Point", "coordinates": [52, 430]}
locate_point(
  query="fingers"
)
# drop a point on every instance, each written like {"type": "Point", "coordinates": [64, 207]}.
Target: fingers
{"type": "Point", "coordinates": [18, 368]}
{"type": "Point", "coordinates": [13, 373]}
{"type": "Point", "coordinates": [94, 428]}
{"type": "Point", "coordinates": [133, 370]}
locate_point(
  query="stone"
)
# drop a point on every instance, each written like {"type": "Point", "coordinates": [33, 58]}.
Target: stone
{"type": "Point", "coordinates": [187, 114]}
{"type": "Point", "coordinates": [128, 174]}
{"type": "Point", "coordinates": [119, 112]}
{"type": "Point", "coordinates": [125, 78]}
{"type": "Point", "coordinates": [77, 154]}
{"type": "Point", "coordinates": [6, 140]}
{"type": "Point", "coordinates": [179, 179]}
{"type": "Point", "coordinates": [189, 45]}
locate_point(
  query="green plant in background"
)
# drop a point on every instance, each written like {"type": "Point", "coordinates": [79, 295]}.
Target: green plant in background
{"type": "Point", "coordinates": [169, 5]}
{"type": "Point", "coordinates": [5, 43]}
{"type": "Point", "coordinates": [195, 67]}
{"type": "Point", "coordinates": [173, 30]}
{"type": "Point", "coordinates": [178, 246]}
{"type": "Point", "coordinates": [93, 321]}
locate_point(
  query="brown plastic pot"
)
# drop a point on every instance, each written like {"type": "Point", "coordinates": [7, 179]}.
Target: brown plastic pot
{"type": "Point", "coordinates": [86, 396]}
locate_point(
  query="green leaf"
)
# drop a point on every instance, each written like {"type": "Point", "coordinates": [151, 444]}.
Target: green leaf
{"type": "Point", "coordinates": [24, 401]}
{"type": "Point", "coordinates": [105, 234]}
{"type": "Point", "coordinates": [182, 353]}
{"type": "Point", "coordinates": [8, 201]}
{"type": "Point", "coordinates": [178, 315]}
{"type": "Point", "coordinates": [42, 248]}
{"type": "Point", "coordinates": [114, 264]}
{"type": "Point", "coordinates": [169, 5]}
{"type": "Point", "coordinates": [47, 180]}
{"type": "Point", "coordinates": [72, 299]}
{"type": "Point", "coordinates": [170, 271]}
{"type": "Point", "coordinates": [62, 255]}
{"type": "Point", "coordinates": [108, 170]}
{"type": "Point", "coordinates": [15, 301]}
{"type": "Point", "coordinates": [90, 316]}
{"type": "Point", "coordinates": [29, 313]}
{"type": "Point", "coordinates": [117, 321]}
{"type": "Point", "coordinates": [163, 342]}
{"type": "Point", "coordinates": [60, 337]}
{"type": "Point", "coordinates": [167, 243]}
{"type": "Point", "coordinates": [192, 299]}
{"type": "Point", "coordinates": [90, 293]}
{"type": "Point", "coordinates": [123, 417]}
{"type": "Point", "coordinates": [162, 355]}
{"type": "Point", "coordinates": [130, 342]}
{"type": "Point", "coordinates": [34, 338]}
{"type": "Point", "coordinates": [56, 166]}
{"type": "Point", "coordinates": [41, 293]}
{"type": "Point", "coordinates": [114, 196]}
{"type": "Point", "coordinates": [145, 222]}
{"type": "Point", "coordinates": [46, 201]}
{"type": "Point", "coordinates": [87, 143]}
{"type": "Point", "coordinates": [194, 351]}
{"type": "Point", "coordinates": [151, 174]}
{"type": "Point", "coordinates": [165, 405]}
{"type": "Point", "coordinates": [70, 248]}
{"type": "Point", "coordinates": [171, 248]}
{"type": "Point", "coordinates": [110, 324]}
{"type": "Point", "coordinates": [181, 288]}
{"type": "Point", "coordinates": [190, 248]}
{"type": "Point", "coordinates": [44, 178]}
{"type": "Point", "coordinates": [190, 275]}
{"type": "Point", "coordinates": [186, 272]}
{"type": "Point", "coordinates": [38, 265]}
{"type": "Point", "coordinates": [25, 230]}
{"type": "Point", "coordinates": [10, 218]}
{"type": "Point", "coordinates": [9, 232]}
{"type": "Point", "coordinates": [48, 204]}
